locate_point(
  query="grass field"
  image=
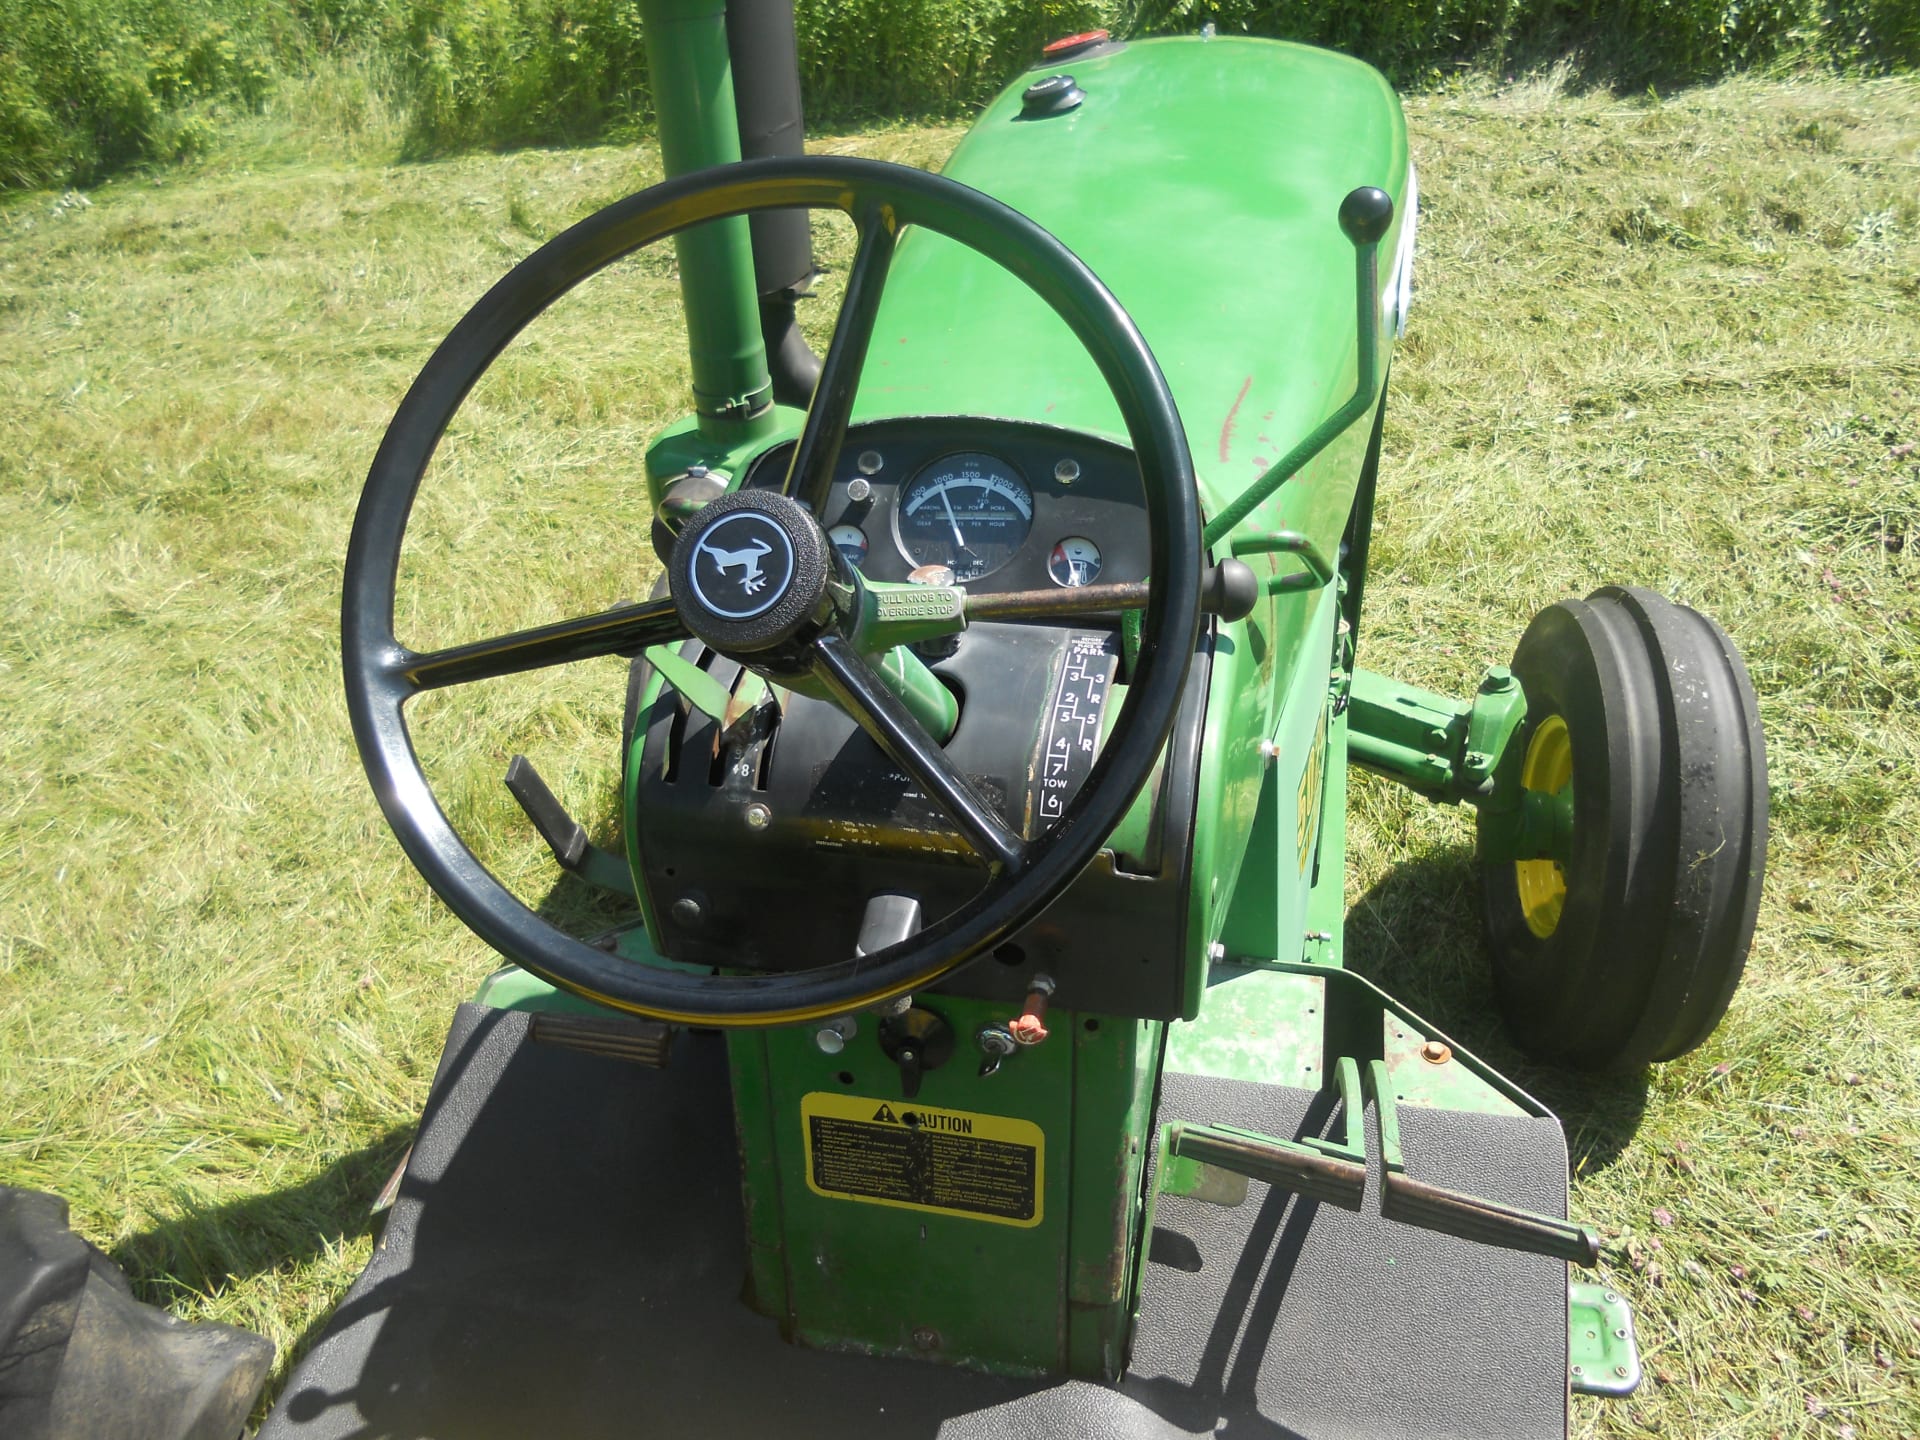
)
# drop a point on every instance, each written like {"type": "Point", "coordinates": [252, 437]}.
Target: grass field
{"type": "Point", "coordinates": [1672, 342]}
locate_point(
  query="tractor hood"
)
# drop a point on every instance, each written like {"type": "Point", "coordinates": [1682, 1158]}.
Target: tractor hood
{"type": "Point", "coordinates": [1200, 179]}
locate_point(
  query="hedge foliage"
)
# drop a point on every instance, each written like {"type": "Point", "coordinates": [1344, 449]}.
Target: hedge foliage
{"type": "Point", "coordinates": [1620, 42]}
{"type": "Point", "coordinates": [89, 86]}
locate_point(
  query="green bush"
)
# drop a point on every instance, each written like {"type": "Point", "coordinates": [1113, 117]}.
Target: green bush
{"type": "Point", "coordinates": [1622, 42]}
{"type": "Point", "coordinates": [89, 86]}
{"type": "Point", "coordinates": [925, 57]}
{"type": "Point", "coordinates": [512, 72]}
{"type": "Point", "coordinates": [520, 71]}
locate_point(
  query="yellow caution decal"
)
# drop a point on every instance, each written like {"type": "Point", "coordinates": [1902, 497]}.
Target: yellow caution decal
{"type": "Point", "coordinates": [917, 1157]}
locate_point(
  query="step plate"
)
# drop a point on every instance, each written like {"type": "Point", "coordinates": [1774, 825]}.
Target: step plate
{"type": "Point", "coordinates": [566, 1253]}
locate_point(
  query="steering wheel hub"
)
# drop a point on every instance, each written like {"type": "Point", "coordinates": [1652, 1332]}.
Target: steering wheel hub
{"type": "Point", "coordinates": [750, 572]}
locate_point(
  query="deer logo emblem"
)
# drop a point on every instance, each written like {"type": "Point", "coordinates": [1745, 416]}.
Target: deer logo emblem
{"type": "Point", "coordinates": [747, 561]}
{"type": "Point", "coordinates": [741, 565]}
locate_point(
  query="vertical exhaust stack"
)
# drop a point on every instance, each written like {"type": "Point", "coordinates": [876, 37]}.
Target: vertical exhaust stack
{"type": "Point", "coordinates": [766, 93]}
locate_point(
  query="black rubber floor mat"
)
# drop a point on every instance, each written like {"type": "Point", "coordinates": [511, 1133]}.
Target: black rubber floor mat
{"type": "Point", "coordinates": [566, 1256]}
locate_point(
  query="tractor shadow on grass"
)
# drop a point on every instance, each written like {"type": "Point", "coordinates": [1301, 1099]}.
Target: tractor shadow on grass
{"type": "Point", "coordinates": [207, 1248]}
{"type": "Point", "coordinates": [1417, 935]}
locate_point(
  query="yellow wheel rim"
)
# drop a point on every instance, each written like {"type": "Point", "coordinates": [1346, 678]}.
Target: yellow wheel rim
{"type": "Point", "coordinates": [1542, 883]}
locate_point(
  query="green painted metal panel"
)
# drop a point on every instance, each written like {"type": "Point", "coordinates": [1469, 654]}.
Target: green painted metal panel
{"type": "Point", "coordinates": [1116, 1072]}
{"type": "Point", "coordinates": [1255, 1025]}
{"type": "Point", "coordinates": [1016, 1298]}
{"type": "Point", "coordinates": [1266, 899]}
{"type": "Point", "coordinates": [1201, 180]}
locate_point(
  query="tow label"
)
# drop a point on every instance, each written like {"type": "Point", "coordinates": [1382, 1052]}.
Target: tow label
{"type": "Point", "coordinates": [1070, 738]}
{"type": "Point", "coordinates": [918, 1157]}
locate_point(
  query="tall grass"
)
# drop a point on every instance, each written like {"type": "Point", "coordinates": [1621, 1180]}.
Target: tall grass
{"type": "Point", "coordinates": [89, 87]}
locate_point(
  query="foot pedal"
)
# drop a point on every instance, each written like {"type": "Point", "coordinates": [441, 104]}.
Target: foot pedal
{"type": "Point", "coordinates": [618, 1037]}
{"type": "Point", "coordinates": [565, 836]}
{"type": "Point", "coordinates": [1469, 1217]}
{"type": "Point", "coordinates": [1334, 1171]}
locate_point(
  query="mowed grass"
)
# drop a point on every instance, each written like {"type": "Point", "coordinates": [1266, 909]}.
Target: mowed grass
{"type": "Point", "coordinates": [1674, 343]}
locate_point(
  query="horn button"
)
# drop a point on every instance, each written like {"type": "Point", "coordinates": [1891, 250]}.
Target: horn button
{"type": "Point", "coordinates": [751, 573]}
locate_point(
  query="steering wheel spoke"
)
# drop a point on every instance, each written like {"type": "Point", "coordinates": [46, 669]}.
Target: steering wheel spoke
{"type": "Point", "coordinates": [810, 476]}
{"type": "Point", "coordinates": [884, 716]}
{"type": "Point", "coordinates": [623, 630]}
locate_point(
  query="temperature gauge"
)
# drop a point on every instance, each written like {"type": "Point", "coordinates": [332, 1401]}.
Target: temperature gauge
{"type": "Point", "coordinates": [1075, 561]}
{"type": "Point", "coordinates": [851, 542]}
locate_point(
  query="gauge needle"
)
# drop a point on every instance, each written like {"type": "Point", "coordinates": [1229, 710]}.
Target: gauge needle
{"type": "Point", "coordinates": [946, 504]}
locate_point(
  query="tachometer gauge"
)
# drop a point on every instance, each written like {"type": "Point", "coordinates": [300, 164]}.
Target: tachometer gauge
{"type": "Point", "coordinates": [969, 512]}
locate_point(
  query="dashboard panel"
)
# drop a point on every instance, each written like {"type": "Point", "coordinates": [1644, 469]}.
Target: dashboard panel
{"type": "Point", "coordinates": [1004, 506]}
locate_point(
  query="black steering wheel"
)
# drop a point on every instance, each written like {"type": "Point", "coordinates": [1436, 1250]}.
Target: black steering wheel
{"type": "Point", "coordinates": [804, 622]}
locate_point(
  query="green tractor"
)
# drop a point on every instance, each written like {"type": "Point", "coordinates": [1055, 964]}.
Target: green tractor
{"type": "Point", "coordinates": [983, 1061]}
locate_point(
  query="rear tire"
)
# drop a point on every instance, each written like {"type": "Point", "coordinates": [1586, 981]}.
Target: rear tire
{"type": "Point", "coordinates": [1625, 947]}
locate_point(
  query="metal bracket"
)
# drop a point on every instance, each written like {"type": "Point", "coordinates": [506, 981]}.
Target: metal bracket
{"type": "Point", "coordinates": [1602, 1358]}
{"type": "Point", "coordinates": [1286, 542]}
{"type": "Point", "coordinates": [1448, 750]}
{"type": "Point", "coordinates": [564, 835]}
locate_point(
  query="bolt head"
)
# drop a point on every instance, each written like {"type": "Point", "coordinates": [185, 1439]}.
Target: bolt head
{"type": "Point", "coordinates": [830, 1040]}
{"type": "Point", "coordinates": [1436, 1052]}
{"type": "Point", "coordinates": [759, 817]}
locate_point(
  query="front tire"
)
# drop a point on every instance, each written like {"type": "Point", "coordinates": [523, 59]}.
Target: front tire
{"type": "Point", "coordinates": [1620, 910]}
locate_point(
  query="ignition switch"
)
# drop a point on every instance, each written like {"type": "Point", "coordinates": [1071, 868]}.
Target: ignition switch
{"type": "Point", "coordinates": [996, 1043]}
{"type": "Point", "coordinates": [917, 1040]}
